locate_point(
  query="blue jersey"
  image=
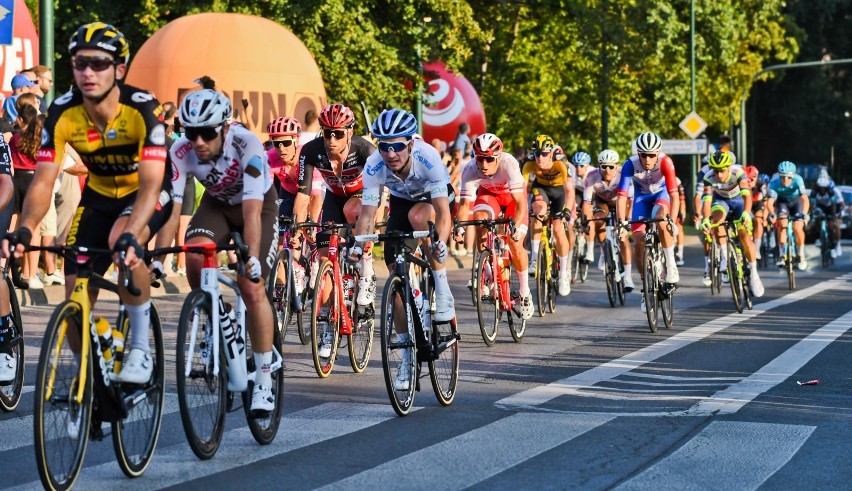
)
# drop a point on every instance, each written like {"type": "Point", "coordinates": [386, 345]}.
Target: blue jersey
{"type": "Point", "coordinates": [779, 192]}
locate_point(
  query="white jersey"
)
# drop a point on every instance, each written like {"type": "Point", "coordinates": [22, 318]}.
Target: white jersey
{"type": "Point", "coordinates": [427, 176]}
{"type": "Point", "coordinates": [594, 185]}
{"type": "Point", "coordinates": [240, 173]}
{"type": "Point", "coordinates": [507, 178]}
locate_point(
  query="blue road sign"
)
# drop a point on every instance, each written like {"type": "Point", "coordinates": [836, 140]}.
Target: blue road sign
{"type": "Point", "coordinates": [7, 21]}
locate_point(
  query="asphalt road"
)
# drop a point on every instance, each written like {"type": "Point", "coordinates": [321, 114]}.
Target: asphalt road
{"type": "Point", "coordinates": [590, 400]}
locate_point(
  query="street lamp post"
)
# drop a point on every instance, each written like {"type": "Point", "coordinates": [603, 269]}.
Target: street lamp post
{"type": "Point", "coordinates": [418, 97]}
{"type": "Point", "coordinates": [743, 137]}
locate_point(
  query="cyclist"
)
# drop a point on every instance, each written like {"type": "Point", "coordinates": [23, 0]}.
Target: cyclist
{"type": "Point", "coordinates": [582, 164]}
{"type": "Point", "coordinates": [727, 194]}
{"type": "Point", "coordinates": [230, 162]}
{"type": "Point", "coordinates": [115, 130]}
{"type": "Point", "coordinates": [787, 190]}
{"type": "Point", "coordinates": [696, 205]}
{"type": "Point", "coordinates": [758, 196]}
{"type": "Point", "coordinates": [655, 196]}
{"type": "Point", "coordinates": [599, 197]}
{"type": "Point", "coordinates": [681, 219]}
{"type": "Point", "coordinates": [494, 179]}
{"type": "Point", "coordinates": [340, 157]}
{"type": "Point", "coordinates": [829, 199]}
{"type": "Point", "coordinates": [550, 186]}
{"type": "Point", "coordinates": [420, 192]}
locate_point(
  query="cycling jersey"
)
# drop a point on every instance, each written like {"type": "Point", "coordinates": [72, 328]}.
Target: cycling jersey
{"type": "Point", "coordinates": [594, 186]}
{"type": "Point", "coordinates": [699, 180]}
{"type": "Point", "coordinates": [349, 181]}
{"type": "Point", "coordinates": [727, 189]}
{"type": "Point", "coordinates": [580, 182]}
{"type": "Point", "coordinates": [112, 156]}
{"type": "Point", "coordinates": [661, 177]}
{"type": "Point", "coordinates": [827, 196]}
{"type": "Point", "coordinates": [759, 191]}
{"type": "Point", "coordinates": [288, 176]}
{"type": "Point", "coordinates": [779, 192]}
{"type": "Point", "coordinates": [557, 175]}
{"type": "Point", "coordinates": [507, 178]}
{"type": "Point", "coordinates": [427, 176]}
{"type": "Point", "coordinates": [240, 173]}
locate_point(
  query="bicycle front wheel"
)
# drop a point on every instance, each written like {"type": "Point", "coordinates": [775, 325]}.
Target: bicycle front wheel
{"type": "Point", "coordinates": [325, 325]}
{"type": "Point", "coordinates": [10, 394]}
{"type": "Point", "coordinates": [398, 355]}
{"type": "Point", "coordinates": [134, 438]}
{"type": "Point", "coordinates": [278, 289]}
{"type": "Point", "coordinates": [734, 277]}
{"type": "Point", "coordinates": [610, 270]}
{"type": "Point", "coordinates": [715, 275]}
{"type": "Point", "coordinates": [444, 369]}
{"type": "Point", "coordinates": [791, 268]}
{"type": "Point", "coordinates": [487, 305]}
{"type": "Point", "coordinates": [202, 394]}
{"type": "Point", "coordinates": [553, 280]}
{"type": "Point", "coordinates": [541, 282]}
{"type": "Point", "coordinates": [666, 301]}
{"type": "Point", "coordinates": [650, 282]}
{"type": "Point", "coordinates": [61, 414]}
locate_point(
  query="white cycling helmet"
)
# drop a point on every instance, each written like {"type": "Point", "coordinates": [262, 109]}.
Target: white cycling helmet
{"type": "Point", "coordinates": [394, 123]}
{"type": "Point", "coordinates": [608, 156]}
{"type": "Point", "coordinates": [205, 107]}
{"type": "Point", "coordinates": [649, 142]}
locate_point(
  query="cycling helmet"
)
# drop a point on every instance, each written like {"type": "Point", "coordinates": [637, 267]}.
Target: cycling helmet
{"type": "Point", "coordinates": [558, 153]}
{"type": "Point", "coordinates": [720, 160]}
{"type": "Point", "coordinates": [649, 143]}
{"type": "Point", "coordinates": [486, 145]}
{"type": "Point", "coordinates": [823, 182]}
{"type": "Point", "coordinates": [608, 157]}
{"type": "Point", "coordinates": [581, 158]}
{"type": "Point", "coordinates": [105, 37]}
{"type": "Point", "coordinates": [786, 168]}
{"type": "Point", "coordinates": [205, 107]}
{"type": "Point", "coordinates": [284, 126]}
{"type": "Point", "coordinates": [393, 123]}
{"type": "Point", "coordinates": [336, 116]}
{"type": "Point", "coordinates": [764, 177]}
{"type": "Point", "coordinates": [543, 143]}
{"type": "Point", "coordinates": [752, 172]}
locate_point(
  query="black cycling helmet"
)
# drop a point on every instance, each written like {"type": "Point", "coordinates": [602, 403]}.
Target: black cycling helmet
{"type": "Point", "coordinates": [105, 37]}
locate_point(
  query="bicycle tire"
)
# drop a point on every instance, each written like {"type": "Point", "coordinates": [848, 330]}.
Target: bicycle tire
{"type": "Point", "coordinates": [59, 464]}
{"type": "Point", "coordinates": [303, 323]}
{"type": "Point", "coordinates": [553, 281]}
{"type": "Point", "coordinates": [575, 259]}
{"type": "Point", "coordinates": [280, 294]}
{"type": "Point", "coordinates": [715, 273]}
{"type": "Point", "coordinates": [734, 278]}
{"type": "Point", "coordinates": [264, 427]}
{"type": "Point", "coordinates": [394, 352]}
{"type": "Point", "coordinates": [517, 327]}
{"type": "Point", "coordinates": [791, 268]}
{"type": "Point", "coordinates": [444, 367]}
{"type": "Point", "coordinates": [825, 246]}
{"type": "Point", "coordinates": [649, 288]}
{"type": "Point", "coordinates": [10, 394]}
{"type": "Point", "coordinates": [609, 275]}
{"type": "Point", "coordinates": [202, 396]}
{"type": "Point", "coordinates": [323, 365]}
{"type": "Point", "coordinates": [145, 416]}
{"type": "Point", "coordinates": [541, 281]}
{"type": "Point", "coordinates": [360, 342]}
{"type": "Point", "coordinates": [488, 305]}
{"type": "Point", "coordinates": [474, 282]}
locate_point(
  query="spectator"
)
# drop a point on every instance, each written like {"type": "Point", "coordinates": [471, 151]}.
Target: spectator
{"type": "Point", "coordinates": [311, 129]}
{"type": "Point", "coordinates": [38, 91]}
{"type": "Point", "coordinates": [21, 84]}
{"type": "Point", "coordinates": [460, 149]}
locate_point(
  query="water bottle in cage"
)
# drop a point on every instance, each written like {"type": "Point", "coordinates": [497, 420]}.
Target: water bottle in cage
{"type": "Point", "coordinates": [348, 289]}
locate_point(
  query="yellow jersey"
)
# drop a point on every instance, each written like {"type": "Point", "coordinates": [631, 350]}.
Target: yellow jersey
{"type": "Point", "coordinates": [557, 175]}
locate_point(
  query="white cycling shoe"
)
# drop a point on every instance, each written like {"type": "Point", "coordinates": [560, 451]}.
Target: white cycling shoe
{"type": "Point", "coordinates": [8, 367]}
{"type": "Point", "coordinates": [564, 285]}
{"type": "Point", "coordinates": [403, 378]}
{"type": "Point", "coordinates": [445, 308]}
{"type": "Point", "coordinates": [262, 400]}
{"type": "Point", "coordinates": [137, 368]}
{"type": "Point", "coordinates": [527, 307]}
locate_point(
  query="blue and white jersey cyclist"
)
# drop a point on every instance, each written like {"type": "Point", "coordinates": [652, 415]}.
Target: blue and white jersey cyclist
{"type": "Point", "coordinates": [727, 195]}
{"type": "Point", "coordinates": [419, 186]}
{"type": "Point", "coordinates": [789, 201]}
{"type": "Point", "coordinates": [828, 198]}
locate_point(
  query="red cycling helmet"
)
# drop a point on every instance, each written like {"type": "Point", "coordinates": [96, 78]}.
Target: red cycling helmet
{"type": "Point", "coordinates": [487, 144]}
{"type": "Point", "coordinates": [284, 126]}
{"type": "Point", "coordinates": [336, 116]}
{"type": "Point", "coordinates": [752, 172]}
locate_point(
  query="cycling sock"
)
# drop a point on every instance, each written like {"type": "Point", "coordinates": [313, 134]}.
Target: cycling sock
{"type": "Point", "coordinates": [442, 287]}
{"type": "Point", "coordinates": [628, 270]}
{"type": "Point", "coordinates": [563, 265]}
{"type": "Point", "coordinates": [706, 264]}
{"type": "Point", "coordinates": [263, 375]}
{"type": "Point", "coordinates": [523, 279]}
{"type": "Point", "coordinates": [367, 265]}
{"type": "Point", "coordinates": [669, 253]}
{"type": "Point", "coordinates": [535, 246]}
{"type": "Point", "coordinates": [680, 250]}
{"type": "Point", "coordinates": [757, 243]}
{"type": "Point", "coordinates": [140, 320]}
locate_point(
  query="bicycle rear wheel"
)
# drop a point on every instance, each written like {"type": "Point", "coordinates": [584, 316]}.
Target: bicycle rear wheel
{"type": "Point", "coordinates": [360, 342]}
{"type": "Point", "coordinates": [264, 427]}
{"type": "Point", "coordinates": [278, 289]}
{"type": "Point", "coordinates": [10, 394]}
{"type": "Point", "coordinates": [397, 354]}
{"type": "Point", "coordinates": [134, 438]}
{"type": "Point", "coordinates": [487, 306]}
{"type": "Point", "coordinates": [60, 423]}
{"type": "Point", "coordinates": [650, 281]}
{"type": "Point", "coordinates": [202, 395]}
{"type": "Point", "coordinates": [325, 277]}
{"type": "Point", "coordinates": [576, 259]}
{"type": "Point", "coordinates": [541, 282]}
{"type": "Point", "coordinates": [444, 369]}
{"type": "Point", "coordinates": [734, 277]}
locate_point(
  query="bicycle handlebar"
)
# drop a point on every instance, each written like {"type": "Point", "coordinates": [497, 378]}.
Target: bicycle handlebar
{"type": "Point", "coordinates": [432, 233]}
{"type": "Point", "coordinates": [74, 253]}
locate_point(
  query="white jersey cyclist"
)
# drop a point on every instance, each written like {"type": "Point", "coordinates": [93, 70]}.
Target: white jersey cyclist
{"type": "Point", "coordinates": [508, 179]}
{"type": "Point", "coordinates": [428, 177]}
{"type": "Point", "coordinates": [594, 186]}
{"type": "Point", "coordinates": [239, 173]}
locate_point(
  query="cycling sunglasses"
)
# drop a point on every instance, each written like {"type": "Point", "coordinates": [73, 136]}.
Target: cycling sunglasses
{"type": "Point", "coordinates": [486, 158]}
{"type": "Point", "coordinates": [395, 146]}
{"type": "Point", "coordinates": [647, 155]}
{"type": "Point", "coordinates": [283, 143]}
{"type": "Point", "coordinates": [338, 134]}
{"type": "Point", "coordinates": [206, 133]}
{"type": "Point", "coordinates": [98, 63]}
{"type": "Point", "coordinates": [541, 154]}
{"type": "Point", "coordinates": [607, 167]}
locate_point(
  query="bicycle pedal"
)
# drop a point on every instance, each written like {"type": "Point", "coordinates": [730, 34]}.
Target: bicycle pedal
{"type": "Point", "coordinates": [96, 431]}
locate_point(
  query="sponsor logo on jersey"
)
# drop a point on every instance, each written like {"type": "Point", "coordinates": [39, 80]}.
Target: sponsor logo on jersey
{"type": "Point", "coordinates": [183, 150]}
{"type": "Point", "coordinates": [158, 135]}
{"type": "Point", "coordinates": [372, 171]}
{"type": "Point", "coordinates": [93, 136]}
{"type": "Point", "coordinates": [111, 134]}
{"type": "Point", "coordinates": [154, 153]}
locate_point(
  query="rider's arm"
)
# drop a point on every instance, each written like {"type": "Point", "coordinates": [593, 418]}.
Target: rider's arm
{"type": "Point", "coordinates": [667, 168]}
{"type": "Point", "coordinates": [520, 200]}
{"type": "Point", "coordinates": [443, 219]}
{"type": "Point", "coordinates": [38, 196]}
{"type": "Point", "coordinates": [366, 221]}
{"type": "Point", "coordinates": [300, 205]}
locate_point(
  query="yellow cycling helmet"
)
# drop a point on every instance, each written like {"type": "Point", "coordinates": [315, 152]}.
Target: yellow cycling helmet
{"type": "Point", "coordinates": [543, 143]}
{"type": "Point", "coordinates": [720, 160]}
{"type": "Point", "coordinates": [102, 36]}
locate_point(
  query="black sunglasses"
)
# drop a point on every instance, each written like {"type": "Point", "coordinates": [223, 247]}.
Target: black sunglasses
{"type": "Point", "coordinates": [541, 154]}
{"type": "Point", "coordinates": [395, 146]}
{"type": "Point", "coordinates": [338, 134]}
{"type": "Point", "coordinates": [607, 167]}
{"type": "Point", "coordinates": [647, 155]}
{"type": "Point", "coordinates": [283, 143]}
{"type": "Point", "coordinates": [98, 63]}
{"type": "Point", "coordinates": [206, 133]}
{"type": "Point", "coordinates": [486, 158]}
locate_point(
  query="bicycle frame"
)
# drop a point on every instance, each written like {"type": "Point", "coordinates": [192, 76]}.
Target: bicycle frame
{"type": "Point", "coordinates": [498, 266]}
{"type": "Point", "coordinates": [333, 246]}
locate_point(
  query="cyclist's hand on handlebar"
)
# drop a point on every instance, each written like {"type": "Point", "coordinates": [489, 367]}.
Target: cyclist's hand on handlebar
{"type": "Point", "coordinates": [675, 229]}
{"type": "Point", "coordinates": [253, 270]}
{"type": "Point", "coordinates": [439, 251]}
{"type": "Point", "coordinates": [355, 254]}
{"type": "Point", "coordinates": [519, 233]}
{"type": "Point", "coordinates": [705, 224]}
{"type": "Point", "coordinates": [458, 234]}
{"type": "Point", "coordinates": [128, 243]}
{"type": "Point", "coordinates": [157, 270]}
{"type": "Point", "coordinates": [16, 242]}
{"type": "Point", "coordinates": [746, 218]}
